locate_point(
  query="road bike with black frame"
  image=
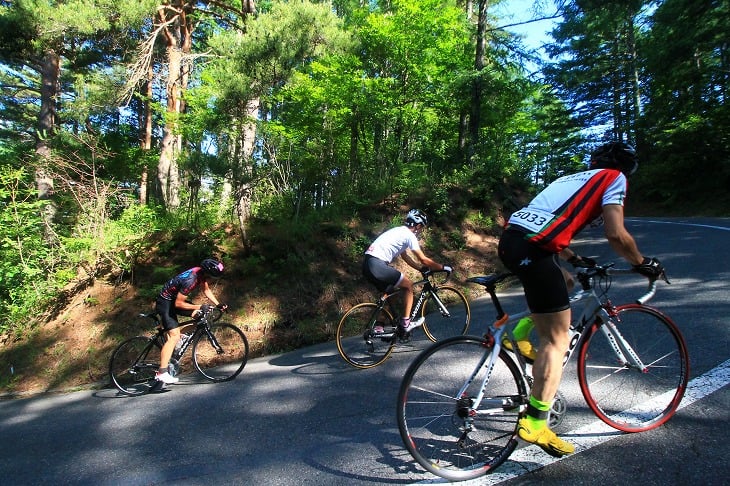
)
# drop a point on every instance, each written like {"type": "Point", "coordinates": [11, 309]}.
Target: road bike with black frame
{"type": "Point", "coordinates": [368, 332]}
{"type": "Point", "coordinates": [219, 353]}
{"type": "Point", "coordinates": [460, 399]}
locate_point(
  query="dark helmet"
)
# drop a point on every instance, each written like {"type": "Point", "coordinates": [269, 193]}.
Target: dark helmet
{"type": "Point", "coordinates": [212, 267]}
{"type": "Point", "coordinates": [416, 216]}
{"type": "Point", "coordinates": [615, 155]}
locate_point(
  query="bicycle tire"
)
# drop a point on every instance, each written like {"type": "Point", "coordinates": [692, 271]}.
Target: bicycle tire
{"type": "Point", "coordinates": [626, 398]}
{"type": "Point", "coordinates": [439, 326]}
{"type": "Point", "coordinates": [357, 342]}
{"type": "Point", "coordinates": [133, 365]}
{"type": "Point", "coordinates": [432, 417]}
{"type": "Point", "coordinates": [222, 364]}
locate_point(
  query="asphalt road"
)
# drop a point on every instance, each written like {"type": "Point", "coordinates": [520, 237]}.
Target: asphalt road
{"type": "Point", "coordinates": [306, 417]}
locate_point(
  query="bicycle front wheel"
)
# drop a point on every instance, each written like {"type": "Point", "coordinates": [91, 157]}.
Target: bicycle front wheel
{"type": "Point", "coordinates": [133, 365]}
{"type": "Point", "coordinates": [221, 354]}
{"type": "Point", "coordinates": [633, 370]}
{"type": "Point", "coordinates": [447, 314]}
{"type": "Point", "coordinates": [442, 426]}
{"type": "Point", "coordinates": [366, 335]}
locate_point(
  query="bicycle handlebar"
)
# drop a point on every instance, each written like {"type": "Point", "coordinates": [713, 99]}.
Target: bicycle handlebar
{"type": "Point", "coordinates": [426, 273]}
{"type": "Point", "coordinates": [214, 313]}
{"type": "Point", "coordinates": [606, 270]}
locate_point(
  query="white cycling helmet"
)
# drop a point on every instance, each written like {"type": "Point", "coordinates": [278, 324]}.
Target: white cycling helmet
{"type": "Point", "coordinates": [416, 216]}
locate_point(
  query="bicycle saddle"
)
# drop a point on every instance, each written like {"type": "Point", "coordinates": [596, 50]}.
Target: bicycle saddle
{"type": "Point", "coordinates": [489, 281]}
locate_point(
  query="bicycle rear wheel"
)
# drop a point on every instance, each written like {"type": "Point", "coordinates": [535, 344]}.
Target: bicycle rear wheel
{"type": "Point", "coordinates": [619, 393]}
{"type": "Point", "coordinates": [444, 430]}
{"type": "Point", "coordinates": [366, 335]}
{"type": "Point", "coordinates": [447, 314]}
{"type": "Point", "coordinates": [222, 354]}
{"type": "Point", "coordinates": [133, 365]}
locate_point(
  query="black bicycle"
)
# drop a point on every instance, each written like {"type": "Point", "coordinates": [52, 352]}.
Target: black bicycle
{"type": "Point", "coordinates": [368, 332]}
{"type": "Point", "coordinates": [220, 352]}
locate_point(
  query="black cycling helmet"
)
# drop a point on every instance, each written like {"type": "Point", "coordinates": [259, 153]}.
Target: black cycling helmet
{"type": "Point", "coordinates": [416, 216]}
{"type": "Point", "coordinates": [212, 267]}
{"type": "Point", "coordinates": [615, 155]}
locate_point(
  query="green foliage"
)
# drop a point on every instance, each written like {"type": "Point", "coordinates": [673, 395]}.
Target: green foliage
{"type": "Point", "coordinates": [25, 259]}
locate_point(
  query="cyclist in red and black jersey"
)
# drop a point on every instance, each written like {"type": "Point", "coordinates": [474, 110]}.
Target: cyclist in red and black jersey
{"type": "Point", "coordinates": [529, 247]}
{"type": "Point", "coordinates": [173, 299]}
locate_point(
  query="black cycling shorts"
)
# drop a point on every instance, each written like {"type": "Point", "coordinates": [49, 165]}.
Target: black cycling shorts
{"type": "Point", "coordinates": [538, 270]}
{"type": "Point", "coordinates": [166, 309]}
{"type": "Point", "coordinates": [379, 273]}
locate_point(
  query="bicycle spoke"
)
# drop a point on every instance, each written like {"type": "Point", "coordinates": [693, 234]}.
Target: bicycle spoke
{"type": "Point", "coordinates": [222, 354]}
{"type": "Point", "coordinates": [446, 313]}
{"type": "Point", "coordinates": [133, 365]}
{"type": "Point", "coordinates": [627, 397]}
{"type": "Point", "coordinates": [365, 335]}
{"type": "Point", "coordinates": [458, 438]}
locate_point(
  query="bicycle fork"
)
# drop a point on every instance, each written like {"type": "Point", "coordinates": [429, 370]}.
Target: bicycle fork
{"type": "Point", "coordinates": [442, 308]}
{"type": "Point", "coordinates": [625, 354]}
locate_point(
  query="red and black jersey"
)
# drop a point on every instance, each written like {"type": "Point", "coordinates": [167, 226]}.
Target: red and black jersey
{"type": "Point", "coordinates": [185, 283]}
{"type": "Point", "coordinates": [567, 205]}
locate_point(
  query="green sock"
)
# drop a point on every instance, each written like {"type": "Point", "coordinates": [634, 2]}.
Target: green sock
{"type": "Point", "coordinates": [537, 422]}
{"type": "Point", "coordinates": [523, 329]}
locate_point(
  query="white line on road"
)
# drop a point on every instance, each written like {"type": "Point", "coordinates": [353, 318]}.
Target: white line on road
{"type": "Point", "coordinates": [679, 223]}
{"type": "Point", "coordinates": [531, 458]}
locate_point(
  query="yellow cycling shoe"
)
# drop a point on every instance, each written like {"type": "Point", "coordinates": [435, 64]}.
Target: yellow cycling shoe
{"type": "Point", "coordinates": [525, 347]}
{"type": "Point", "coordinates": [545, 439]}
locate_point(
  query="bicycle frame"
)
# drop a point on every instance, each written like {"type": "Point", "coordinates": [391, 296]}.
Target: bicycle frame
{"type": "Point", "coordinates": [427, 290]}
{"type": "Point", "coordinates": [594, 310]}
{"type": "Point", "coordinates": [461, 399]}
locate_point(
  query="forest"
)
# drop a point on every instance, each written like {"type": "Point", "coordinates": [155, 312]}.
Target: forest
{"type": "Point", "coordinates": [137, 130]}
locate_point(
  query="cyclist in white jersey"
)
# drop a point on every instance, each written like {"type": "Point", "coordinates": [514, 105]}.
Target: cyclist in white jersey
{"type": "Point", "coordinates": [395, 242]}
{"type": "Point", "coordinates": [529, 247]}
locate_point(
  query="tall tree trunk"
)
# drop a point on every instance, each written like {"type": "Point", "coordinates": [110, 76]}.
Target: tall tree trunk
{"type": "Point", "coordinates": [479, 62]}
{"type": "Point", "coordinates": [145, 135]}
{"type": "Point", "coordinates": [634, 68]}
{"type": "Point", "coordinates": [50, 73]}
{"type": "Point", "coordinates": [178, 39]}
{"type": "Point", "coordinates": [245, 186]}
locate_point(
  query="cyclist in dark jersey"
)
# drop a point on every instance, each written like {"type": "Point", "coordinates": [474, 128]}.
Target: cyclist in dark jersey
{"type": "Point", "coordinates": [529, 247]}
{"type": "Point", "coordinates": [173, 299]}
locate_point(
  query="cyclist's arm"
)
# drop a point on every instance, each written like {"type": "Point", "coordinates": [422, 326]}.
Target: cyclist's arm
{"type": "Point", "coordinates": [618, 237]}
{"type": "Point", "coordinates": [181, 303]}
{"type": "Point", "coordinates": [209, 293]}
{"type": "Point", "coordinates": [566, 254]}
{"type": "Point", "coordinates": [425, 261]}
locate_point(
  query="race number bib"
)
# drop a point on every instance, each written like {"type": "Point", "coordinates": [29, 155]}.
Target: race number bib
{"type": "Point", "coordinates": [533, 220]}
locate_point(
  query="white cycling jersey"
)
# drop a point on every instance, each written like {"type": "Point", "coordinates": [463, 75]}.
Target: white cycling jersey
{"type": "Point", "coordinates": [389, 245]}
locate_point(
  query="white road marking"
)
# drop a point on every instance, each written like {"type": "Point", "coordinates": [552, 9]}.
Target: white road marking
{"type": "Point", "coordinates": [531, 458]}
{"type": "Point", "coordinates": [679, 223]}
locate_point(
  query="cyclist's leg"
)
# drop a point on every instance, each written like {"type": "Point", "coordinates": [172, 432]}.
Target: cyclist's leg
{"type": "Point", "coordinates": [168, 316]}
{"type": "Point", "coordinates": [525, 326]}
{"type": "Point", "coordinates": [546, 293]}
{"type": "Point", "coordinates": [639, 387]}
{"type": "Point", "coordinates": [552, 329]}
{"type": "Point", "coordinates": [385, 277]}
